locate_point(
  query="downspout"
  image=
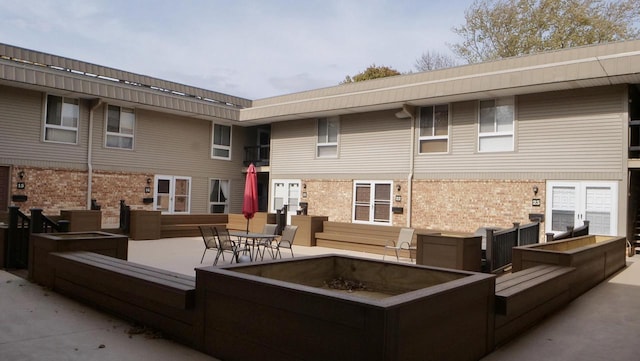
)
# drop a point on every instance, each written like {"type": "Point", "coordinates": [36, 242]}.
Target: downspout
{"type": "Point", "coordinates": [90, 153]}
{"type": "Point", "coordinates": [408, 111]}
{"type": "Point", "coordinates": [411, 166]}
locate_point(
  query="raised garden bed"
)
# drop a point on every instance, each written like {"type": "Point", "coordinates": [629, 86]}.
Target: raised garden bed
{"type": "Point", "coordinates": [594, 257]}
{"type": "Point", "coordinates": [295, 310]}
{"type": "Point", "coordinates": [41, 244]}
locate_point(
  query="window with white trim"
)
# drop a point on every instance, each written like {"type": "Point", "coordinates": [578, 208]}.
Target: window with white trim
{"type": "Point", "coordinates": [120, 125]}
{"type": "Point", "coordinates": [372, 202]}
{"type": "Point", "coordinates": [327, 142]}
{"type": "Point", "coordinates": [219, 196]}
{"type": "Point", "coordinates": [221, 142]}
{"type": "Point", "coordinates": [434, 129]}
{"type": "Point", "coordinates": [61, 120]}
{"type": "Point", "coordinates": [495, 125]}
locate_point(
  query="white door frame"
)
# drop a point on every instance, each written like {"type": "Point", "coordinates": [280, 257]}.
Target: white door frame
{"type": "Point", "coordinates": [580, 203]}
{"type": "Point", "coordinates": [170, 209]}
{"type": "Point", "coordinates": [289, 186]}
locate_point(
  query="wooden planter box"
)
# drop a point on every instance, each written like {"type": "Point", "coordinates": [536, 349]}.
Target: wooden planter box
{"type": "Point", "coordinates": [82, 220]}
{"type": "Point", "coordinates": [307, 228]}
{"type": "Point", "coordinates": [144, 224]}
{"type": "Point", "coordinates": [594, 257]}
{"type": "Point", "coordinates": [450, 251]}
{"type": "Point", "coordinates": [284, 310]}
{"type": "Point", "coordinates": [41, 244]}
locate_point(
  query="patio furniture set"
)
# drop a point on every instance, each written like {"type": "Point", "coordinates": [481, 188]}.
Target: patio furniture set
{"type": "Point", "coordinates": [245, 245]}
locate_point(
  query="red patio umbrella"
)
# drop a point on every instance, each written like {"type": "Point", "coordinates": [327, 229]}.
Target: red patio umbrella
{"type": "Point", "coordinates": [250, 203]}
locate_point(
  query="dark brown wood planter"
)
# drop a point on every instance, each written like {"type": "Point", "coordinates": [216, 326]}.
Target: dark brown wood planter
{"type": "Point", "coordinates": [41, 244]}
{"type": "Point", "coordinates": [594, 257]}
{"type": "Point", "coordinates": [286, 310]}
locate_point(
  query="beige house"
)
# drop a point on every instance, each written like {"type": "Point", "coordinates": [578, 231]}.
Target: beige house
{"type": "Point", "coordinates": [549, 135]}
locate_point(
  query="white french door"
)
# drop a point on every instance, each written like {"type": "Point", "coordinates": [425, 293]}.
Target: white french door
{"type": "Point", "coordinates": [285, 192]}
{"type": "Point", "coordinates": [570, 203]}
{"type": "Point", "coordinates": [173, 194]}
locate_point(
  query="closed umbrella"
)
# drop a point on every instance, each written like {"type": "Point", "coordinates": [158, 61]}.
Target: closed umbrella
{"type": "Point", "coordinates": [250, 202]}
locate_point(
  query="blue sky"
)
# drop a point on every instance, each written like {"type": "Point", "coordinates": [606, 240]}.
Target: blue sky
{"type": "Point", "coordinates": [252, 49]}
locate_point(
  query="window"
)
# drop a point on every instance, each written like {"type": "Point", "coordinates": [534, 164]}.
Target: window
{"type": "Point", "coordinates": [219, 196]}
{"type": "Point", "coordinates": [221, 144]}
{"type": "Point", "coordinates": [61, 120]}
{"type": "Point", "coordinates": [495, 129]}
{"type": "Point", "coordinates": [372, 202]}
{"type": "Point", "coordinates": [434, 129]}
{"type": "Point", "coordinates": [328, 137]}
{"type": "Point", "coordinates": [120, 124]}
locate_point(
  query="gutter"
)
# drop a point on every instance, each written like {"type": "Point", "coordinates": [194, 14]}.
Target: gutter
{"type": "Point", "coordinates": [90, 152]}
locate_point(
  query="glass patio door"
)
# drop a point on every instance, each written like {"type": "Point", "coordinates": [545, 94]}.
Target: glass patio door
{"type": "Point", "coordinates": [571, 203]}
{"type": "Point", "coordinates": [173, 194]}
{"type": "Point", "coordinates": [286, 192]}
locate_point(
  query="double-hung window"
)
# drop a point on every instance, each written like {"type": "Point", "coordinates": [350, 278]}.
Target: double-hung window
{"type": "Point", "coordinates": [61, 120]}
{"type": "Point", "coordinates": [434, 129]}
{"type": "Point", "coordinates": [496, 124]}
{"type": "Point", "coordinates": [221, 142]}
{"type": "Point", "coordinates": [372, 202]}
{"type": "Point", "coordinates": [219, 196]}
{"type": "Point", "coordinates": [120, 126]}
{"type": "Point", "coordinates": [327, 143]}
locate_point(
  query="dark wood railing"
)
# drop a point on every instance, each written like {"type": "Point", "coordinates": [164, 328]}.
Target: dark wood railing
{"type": "Point", "coordinates": [570, 233]}
{"type": "Point", "coordinates": [499, 245]}
{"type": "Point", "coordinates": [19, 232]}
{"type": "Point", "coordinates": [258, 155]}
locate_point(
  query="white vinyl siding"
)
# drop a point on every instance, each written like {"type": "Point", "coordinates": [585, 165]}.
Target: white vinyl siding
{"type": "Point", "coordinates": [327, 140]}
{"type": "Point", "coordinates": [375, 144]}
{"type": "Point", "coordinates": [434, 129]}
{"type": "Point", "coordinates": [372, 202]}
{"type": "Point", "coordinates": [221, 142]}
{"type": "Point", "coordinates": [61, 120]}
{"type": "Point", "coordinates": [495, 125]}
{"type": "Point", "coordinates": [120, 127]}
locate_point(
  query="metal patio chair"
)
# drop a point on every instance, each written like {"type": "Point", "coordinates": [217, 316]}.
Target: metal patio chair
{"type": "Point", "coordinates": [405, 241]}
{"type": "Point", "coordinates": [210, 240]}
{"type": "Point", "coordinates": [226, 244]}
{"type": "Point", "coordinates": [286, 241]}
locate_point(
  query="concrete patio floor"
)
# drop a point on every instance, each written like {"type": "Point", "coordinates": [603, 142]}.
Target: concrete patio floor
{"type": "Point", "coordinates": [37, 324]}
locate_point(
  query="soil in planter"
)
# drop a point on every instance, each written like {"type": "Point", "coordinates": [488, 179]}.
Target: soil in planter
{"type": "Point", "coordinates": [355, 288]}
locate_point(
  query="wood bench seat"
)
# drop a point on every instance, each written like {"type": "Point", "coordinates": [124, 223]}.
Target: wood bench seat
{"type": "Point", "coordinates": [525, 297]}
{"type": "Point", "coordinates": [158, 298]}
{"type": "Point", "coordinates": [357, 237]}
{"type": "Point", "coordinates": [186, 225]}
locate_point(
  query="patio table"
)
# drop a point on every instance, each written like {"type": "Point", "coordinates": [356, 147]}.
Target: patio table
{"type": "Point", "coordinates": [254, 237]}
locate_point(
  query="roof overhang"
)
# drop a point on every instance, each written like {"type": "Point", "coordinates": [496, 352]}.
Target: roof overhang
{"type": "Point", "coordinates": [590, 66]}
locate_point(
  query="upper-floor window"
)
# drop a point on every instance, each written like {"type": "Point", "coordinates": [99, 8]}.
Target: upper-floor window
{"type": "Point", "coordinates": [327, 143]}
{"type": "Point", "coordinates": [495, 129]}
{"type": "Point", "coordinates": [221, 143]}
{"type": "Point", "coordinates": [120, 126]}
{"type": "Point", "coordinates": [61, 120]}
{"type": "Point", "coordinates": [434, 129]}
{"type": "Point", "coordinates": [219, 196]}
{"type": "Point", "coordinates": [372, 202]}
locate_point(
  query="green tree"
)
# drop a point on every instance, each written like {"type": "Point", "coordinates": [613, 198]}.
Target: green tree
{"type": "Point", "coordinates": [502, 28]}
{"type": "Point", "coordinates": [372, 72]}
{"type": "Point", "coordinates": [432, 60]}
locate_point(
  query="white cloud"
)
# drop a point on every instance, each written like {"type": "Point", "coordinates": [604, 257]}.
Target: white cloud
{"type": "Point", "coordinates": [252, 49]}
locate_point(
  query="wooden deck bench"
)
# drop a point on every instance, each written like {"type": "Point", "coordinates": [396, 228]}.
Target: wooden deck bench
{"type": "Point", "coordinates": [186, 225]}
{"type": "Point", "coordinates": [357, 237]}
{"type": "Point", "coordinates": [154, 297]}
{"type": "Point", "coordinates": [525, 297]}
